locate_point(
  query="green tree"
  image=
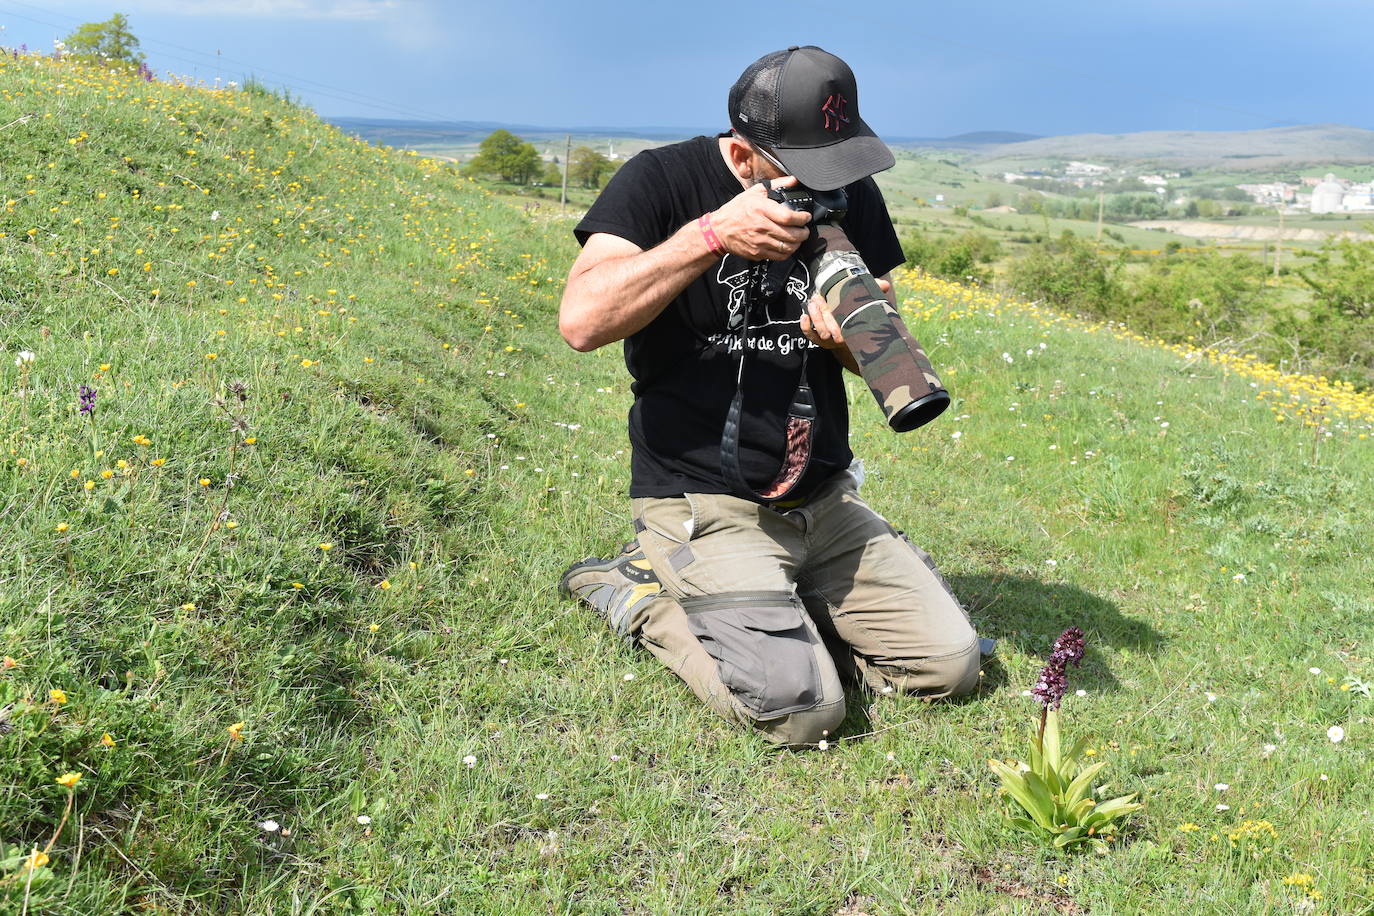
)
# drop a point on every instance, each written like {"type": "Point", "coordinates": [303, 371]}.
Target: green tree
{"type": "Point", "coordinates": [505, 156]}
{"type": "Point", "coordinates": [1208, 294]}
{"type": "Point", "coordinates": [587, 167]}
{"type": "Point", "coordinates": [108, 42]}
{"type": "Point", "coordinates": [1069, 272]}
{"type": "Point", "coordinates": [553, 176]}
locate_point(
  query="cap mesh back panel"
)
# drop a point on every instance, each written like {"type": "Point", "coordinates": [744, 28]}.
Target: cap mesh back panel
{"type": "Point", "coordinates": [755, 96]}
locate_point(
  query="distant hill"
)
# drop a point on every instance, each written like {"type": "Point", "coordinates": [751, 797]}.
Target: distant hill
{"type": "Point", "coordinates": [393, 132]}
{"type": "Point", "coordinates": [1232, 150]}
{"type": "Point", "coordinates": [454, 134]}
{"type": "Point", "coordinates": [1245, 150]}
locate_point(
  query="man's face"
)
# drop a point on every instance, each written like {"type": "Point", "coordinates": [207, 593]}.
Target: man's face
{"type": "Point", "coordinates": [765, 167]}
{"type": "Point", "coordinates": [761, 165]}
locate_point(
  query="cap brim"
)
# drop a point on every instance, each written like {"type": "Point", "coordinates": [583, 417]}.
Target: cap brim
{"type": "Point", "coordinates": [825, 168]}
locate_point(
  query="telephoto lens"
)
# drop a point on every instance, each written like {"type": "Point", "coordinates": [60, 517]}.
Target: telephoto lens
{"type": "Point", "coordinates": [897, 370]}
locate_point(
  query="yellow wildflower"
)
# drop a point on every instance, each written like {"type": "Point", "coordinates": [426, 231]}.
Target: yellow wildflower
{"type": "Point", "coordinates": [236, 730]}
{"type": "Point", "coordinates": [68, 780]}
{"type": "Point", "coordinates": [62, 526]}
{"type": "Point", "coordinates": [57, 695]}
{"type": "Point", "coordinates": [36, 859]}
{"type": "Point", "coordinates": [106, 740]}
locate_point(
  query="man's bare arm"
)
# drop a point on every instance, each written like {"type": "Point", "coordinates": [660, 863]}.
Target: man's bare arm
{"type": "Point", "coordinates": [615, 287]}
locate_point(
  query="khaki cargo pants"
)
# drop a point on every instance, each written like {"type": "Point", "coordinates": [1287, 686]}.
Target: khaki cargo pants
{"type": "Point", "coordinates": [752, 596]}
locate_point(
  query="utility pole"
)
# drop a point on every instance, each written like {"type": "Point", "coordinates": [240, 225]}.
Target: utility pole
{"type": "Point", "coordinates": [1278, 244]}
{"type": "Point", "coordinates": [567, 163]}
{"type": "Point", "coordinates": [1101, 196]}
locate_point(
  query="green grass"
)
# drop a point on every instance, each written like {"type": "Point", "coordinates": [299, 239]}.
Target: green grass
{"type": "Point", "coordinates": [450, 427]}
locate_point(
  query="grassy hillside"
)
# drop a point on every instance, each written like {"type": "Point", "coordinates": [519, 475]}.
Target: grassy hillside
{"type": "Point", "coordinates": [284, 601]}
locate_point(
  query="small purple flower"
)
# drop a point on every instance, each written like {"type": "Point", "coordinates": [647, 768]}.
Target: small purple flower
{"type": "Point", "coordinates": [1069, 646]}
{"type": "Point", "coordinates": [1053, 682]}
{"type": "Point", "coordinates": [87, 400]}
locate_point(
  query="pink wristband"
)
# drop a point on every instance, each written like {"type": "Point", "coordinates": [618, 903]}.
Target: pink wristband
{"type": "Point", "coordinates": [709, 234]}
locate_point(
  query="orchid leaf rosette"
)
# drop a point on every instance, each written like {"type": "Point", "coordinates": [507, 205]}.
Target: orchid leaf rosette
{"type": "Point", "coordinates": [1054, 791]}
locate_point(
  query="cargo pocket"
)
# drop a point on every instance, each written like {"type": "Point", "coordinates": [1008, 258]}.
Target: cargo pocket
{"type": "Point", "coordinates": [765, 652]}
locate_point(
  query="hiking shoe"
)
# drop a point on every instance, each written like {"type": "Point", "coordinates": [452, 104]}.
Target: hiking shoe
{"type": "Point", "coordinates": [616, 588]}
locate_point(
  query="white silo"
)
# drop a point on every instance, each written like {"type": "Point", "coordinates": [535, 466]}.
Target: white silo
{"type": "Point", "coordinates": [1328, 196]}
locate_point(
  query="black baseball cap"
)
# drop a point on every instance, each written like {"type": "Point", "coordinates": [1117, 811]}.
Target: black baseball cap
{"type": "Point", "coordinates": [802, 105]}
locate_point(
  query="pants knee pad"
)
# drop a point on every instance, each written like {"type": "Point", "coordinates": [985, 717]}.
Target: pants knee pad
{"type": "Point", "coordinates": [763, 647]}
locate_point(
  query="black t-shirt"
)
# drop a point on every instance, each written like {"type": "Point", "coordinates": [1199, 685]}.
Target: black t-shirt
{"type": "Point", "coordinates": [685, 362]}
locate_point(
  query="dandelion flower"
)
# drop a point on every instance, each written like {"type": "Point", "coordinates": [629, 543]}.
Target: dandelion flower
{"type": "Point", "coordinates": [68, 780]}
{"type": "Point", "coordinates": [57, 695]}
{"type": "Point", "coordinates": [326, 547]}
{"type": "Point", "coordinates": [62, 526]}
{"type": "Point", "coordinates": [384, 584]}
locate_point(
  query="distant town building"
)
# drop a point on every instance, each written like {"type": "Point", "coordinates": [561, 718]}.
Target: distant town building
{"type": "Point", "coordinates": [1157, 181]}
{"type": "Point", "coordinates": [1086, 169]}
{"type": "Point", "coordinates": [1270, 193]}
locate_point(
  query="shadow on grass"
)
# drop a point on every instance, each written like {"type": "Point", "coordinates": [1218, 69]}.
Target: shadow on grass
{"type": "Point", "coordinates": [1028, 615]}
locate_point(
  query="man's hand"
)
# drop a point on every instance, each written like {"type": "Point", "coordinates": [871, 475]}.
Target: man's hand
{"type": "Point", "coordinates": [819, 325]}
{"type": "Point", "coordinates": [758, 229]}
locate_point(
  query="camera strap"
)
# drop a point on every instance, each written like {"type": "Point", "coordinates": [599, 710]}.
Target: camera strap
{"type": "Point", "coordinates": [801, 417]}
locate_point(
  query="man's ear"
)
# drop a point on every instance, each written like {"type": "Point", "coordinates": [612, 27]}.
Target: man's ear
{"type": "Point", "coordinates": [741, 157]}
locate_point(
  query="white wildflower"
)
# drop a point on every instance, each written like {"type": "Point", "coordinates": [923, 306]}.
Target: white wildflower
{"type": "Point", "coordinates": [1336, 734]}
{"type": "Point", "coordinates": [269, 826]}
{"type": "Point", "coordinates": [364, 820]}
{"type": "Point", "coordinates": [470, 760]}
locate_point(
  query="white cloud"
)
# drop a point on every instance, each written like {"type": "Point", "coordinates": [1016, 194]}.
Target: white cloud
{"type": "Point", "coordinates": [276, 9]}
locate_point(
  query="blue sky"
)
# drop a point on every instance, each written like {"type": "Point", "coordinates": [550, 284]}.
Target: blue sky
{"type": "Point", "coordinates": [924, 68]}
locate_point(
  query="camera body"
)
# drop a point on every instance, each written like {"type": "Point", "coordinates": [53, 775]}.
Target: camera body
{"type": "Point", "coordinates": [827, 208]}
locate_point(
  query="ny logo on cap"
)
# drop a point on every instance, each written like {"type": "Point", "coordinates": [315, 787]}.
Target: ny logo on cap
{"type": "Point", "coordinates": [833, 109]}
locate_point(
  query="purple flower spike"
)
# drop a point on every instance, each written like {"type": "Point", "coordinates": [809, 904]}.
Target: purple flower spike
{"type": "Point", "coordinates": [87, 400]}
{"type": "Point", "coordinates": [1053, 682]}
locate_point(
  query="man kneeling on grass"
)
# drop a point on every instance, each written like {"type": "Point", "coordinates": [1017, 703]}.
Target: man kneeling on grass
{"type": "Point", "coordinates": [688, 261]}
